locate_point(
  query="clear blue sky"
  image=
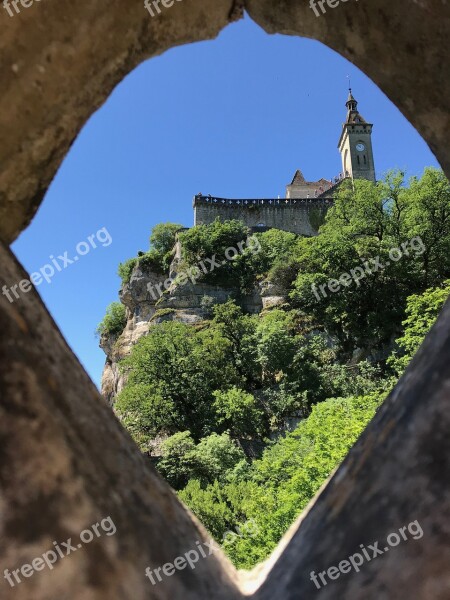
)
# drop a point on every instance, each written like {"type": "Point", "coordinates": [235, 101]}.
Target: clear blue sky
{"type": "Point", "coordinates": [233, 117]}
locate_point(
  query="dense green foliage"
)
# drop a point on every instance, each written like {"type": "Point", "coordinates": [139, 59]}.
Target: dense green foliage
{"type": "Point", "coordinates": [250, 262]}
{"type": "Point", "coordinates": [173, 372]}
{"type": "Point", "coordinates": [366, 223]}
{"type": "Point", "coordinates": [239, 412]}
{"type": "Point", "coordinates": [204, 241]}
{"type": "Point", "coordinates": [114, 320]}
{"type": "Point", "coordinates": [239, 373]}
{"type": "Point", "coordinates": [158, 257]}
{"type": "Point", "coordinates": [275, 489]}
{"type": "Point", "coordinates": [422, 311]}
{"type": "Point", "coordinates": [207, 462]}
{"type": "Point", "coordinates": [321, 361]}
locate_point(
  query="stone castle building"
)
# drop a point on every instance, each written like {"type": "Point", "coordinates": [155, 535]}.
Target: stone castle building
{"type": "Point", "coordinates": [303, 209]}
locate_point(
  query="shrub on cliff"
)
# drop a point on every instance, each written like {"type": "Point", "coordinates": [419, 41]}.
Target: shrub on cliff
{"type": "Point", "coordinates": [422, 311]}
{"type": "Point", "coordinates": [158, 257]}
{"type": "Point", "coordinates": [207, 242]}
{"type": "Point", "coordinates": [114, 320]}
{"type": "Point", "coordinates": [125, 269]}
{"type": "Point", "coordinates": [163, 237]}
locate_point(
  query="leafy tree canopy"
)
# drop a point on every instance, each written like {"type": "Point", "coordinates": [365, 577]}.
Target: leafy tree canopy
{"type": "Point", "coordinates": [114, 321]}
{"type": "Point", "coordinates": [422, 311]}
{"type": "Point", "coordinates": [181, 368]}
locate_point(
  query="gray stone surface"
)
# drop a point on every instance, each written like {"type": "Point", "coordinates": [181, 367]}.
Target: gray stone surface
{"type": "Point", "coordinates": [303, 218]}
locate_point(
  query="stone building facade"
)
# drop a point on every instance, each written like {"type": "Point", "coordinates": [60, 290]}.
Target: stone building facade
{"type": "Point", "coordinates": [303, 209]}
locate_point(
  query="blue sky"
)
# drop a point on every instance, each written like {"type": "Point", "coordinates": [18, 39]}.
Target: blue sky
{"type": "Point", "coordinates": [233, 117]}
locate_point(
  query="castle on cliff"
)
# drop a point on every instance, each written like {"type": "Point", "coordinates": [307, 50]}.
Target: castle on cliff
{"type": "Point", "coordinates": [303, 209]}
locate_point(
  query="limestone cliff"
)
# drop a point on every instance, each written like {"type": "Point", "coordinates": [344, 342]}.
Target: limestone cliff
{"type": "Point", "coordinates": [183, 303]}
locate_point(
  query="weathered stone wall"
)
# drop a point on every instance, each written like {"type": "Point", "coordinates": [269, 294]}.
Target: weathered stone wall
{"type": "Point", "coordinates": [303, 218]}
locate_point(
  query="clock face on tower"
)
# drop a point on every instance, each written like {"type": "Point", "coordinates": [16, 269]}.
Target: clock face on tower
{"type": "Point", "coordinates": [360, 147]}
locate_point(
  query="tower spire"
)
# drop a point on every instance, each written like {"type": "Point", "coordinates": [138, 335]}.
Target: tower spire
{"type": "Point", "coordinates": [351, 104]}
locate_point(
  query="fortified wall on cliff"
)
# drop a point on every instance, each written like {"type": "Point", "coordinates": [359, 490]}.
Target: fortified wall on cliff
{"type": "Point", "coordinates": [300, 214]}
{"type": "Point", "coordinates": [303, 209]}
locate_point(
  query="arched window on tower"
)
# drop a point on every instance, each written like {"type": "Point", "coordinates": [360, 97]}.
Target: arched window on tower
{"type": "Point", "coordinates": [359, 162]}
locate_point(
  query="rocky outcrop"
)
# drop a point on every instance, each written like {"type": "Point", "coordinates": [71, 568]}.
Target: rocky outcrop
{"type": "Point", "coordinates": [272, 295]}
{"type": "Point", "coordinates": [189, 303]}
{"type": "Point", "coordinates": [140, 305]}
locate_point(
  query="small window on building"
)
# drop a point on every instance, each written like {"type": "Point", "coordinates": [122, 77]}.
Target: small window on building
{"type": "Point", "coordinates": [359, 162]}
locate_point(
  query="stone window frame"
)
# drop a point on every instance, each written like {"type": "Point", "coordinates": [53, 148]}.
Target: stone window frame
{"type": "Point", "coordinates": [79, 463]}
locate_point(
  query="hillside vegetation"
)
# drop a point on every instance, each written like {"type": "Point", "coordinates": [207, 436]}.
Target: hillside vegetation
{"type": "Point", "coordinates": [358, 301]}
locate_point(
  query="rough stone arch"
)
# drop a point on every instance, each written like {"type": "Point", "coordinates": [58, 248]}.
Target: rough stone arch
{"type": "Point", "coordinates": [65, 462]}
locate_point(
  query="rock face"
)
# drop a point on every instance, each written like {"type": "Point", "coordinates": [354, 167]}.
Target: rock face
{"type": "Point", "coordinates": [184, 303]}
{"type": "Point", "coordinates": [140, 306]}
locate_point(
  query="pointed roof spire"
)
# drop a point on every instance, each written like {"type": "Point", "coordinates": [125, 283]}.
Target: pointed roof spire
{"type": "Point", "coordinates": [353, 114]}
{"type": "Point", "coordinates": [351, 104]}
{"type": "Point", "coordinates": [298, 177]}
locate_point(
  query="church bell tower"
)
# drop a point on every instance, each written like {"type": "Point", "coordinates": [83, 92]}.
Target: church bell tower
{"type": "Point", "coordinates": [355, 144]}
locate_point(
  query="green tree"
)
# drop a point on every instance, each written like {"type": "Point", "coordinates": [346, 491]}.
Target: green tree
{"type": "Point", "coordinates": [126, 268]}
{"type": "Point", "coordinates": [360, 211]}
{"type": "Point", "coordinates": [203, 241]}
{"type": "Point", "coordinates": [422, 311]}
{"type": "Point", "coordinates": [159, 255]}
{"type": "Point", "coordinates": [276, 342]}
{"type": "Point", "coordinates": [211, 243]}
{"type": "Point", "coordinates": [114, 321]}
{"type": "Point", "coordinates": [183, 367]}
{"type": "Point", "coordinates": [210, 506]}
{"type": "Point", "coordinates": [214, 456]}
{"type": "Point", "coordinates": [146, 411]}
{"type": "Point", "coordinates": [163, 236]}
{"type": "Point", "coordinates": [238, 412]}
{"type": "Point", "coordinates": [292, 471]}
{"type": "Point", "coordinates": [162, 242]}
{"type": "Point", "coordinates": [240, 331]}
{"type": "Point", "coordinates": [212, 459]}
{"type": "Point", "coordinates": [276, 247]}
{"type": "Point", "coordinates": [428, 216]}
{"type": "Point", "coordinates": [262, 502]}
{"type": "Point", "coordinates": [178, 463]}
{"type": "Point", "coordinates": [366, 222]}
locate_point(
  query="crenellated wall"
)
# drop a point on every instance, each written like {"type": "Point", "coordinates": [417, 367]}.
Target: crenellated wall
{"type": "Point", "coordinates": [302, 217]}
